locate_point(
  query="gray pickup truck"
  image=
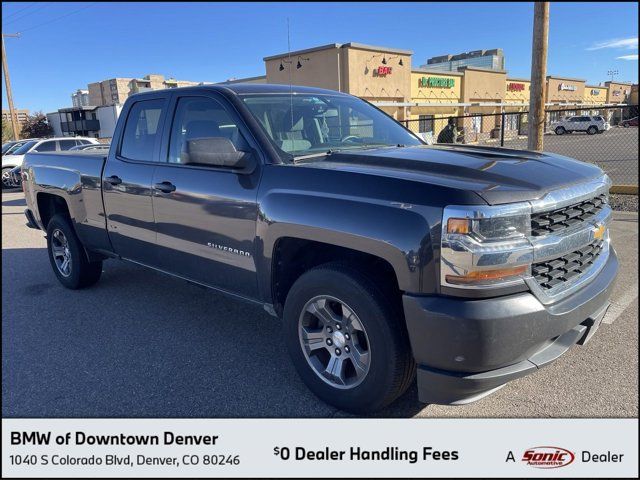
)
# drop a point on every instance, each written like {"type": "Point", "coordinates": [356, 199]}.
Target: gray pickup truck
{"type": "Point", "coordinates": [384, 257]}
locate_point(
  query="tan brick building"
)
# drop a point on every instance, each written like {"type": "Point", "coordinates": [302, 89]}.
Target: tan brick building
{"type": "Point", "coordinates": [22, 115]}
{"type": "Point", "coordinates": [116, 90]}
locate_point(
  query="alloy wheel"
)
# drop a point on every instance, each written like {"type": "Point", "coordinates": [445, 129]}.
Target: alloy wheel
{"type": "Point", "coordinates": [334, 342]}
{"type": "Point", "coordinates": [61, 252]}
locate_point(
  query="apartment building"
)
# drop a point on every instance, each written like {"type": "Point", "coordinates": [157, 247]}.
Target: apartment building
{"type": "Point", "coordinates": [22, 115]}
{"type": "Point", "coordinates": [115, 91]}
{"type": "Point", "coordinates": [80, 98]}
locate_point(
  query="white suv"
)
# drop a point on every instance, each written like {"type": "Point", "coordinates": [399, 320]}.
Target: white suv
{"type": "Point", "coordinates": [582, 123]}
{"type": "Point", "coordinates": [59, 144]}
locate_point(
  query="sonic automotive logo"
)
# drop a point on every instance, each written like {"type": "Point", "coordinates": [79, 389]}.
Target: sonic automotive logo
{"type": "Point", "coordinates": [548, 457]}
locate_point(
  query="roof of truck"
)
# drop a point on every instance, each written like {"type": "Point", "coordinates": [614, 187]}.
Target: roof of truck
{"type": "Point", "coordinates": [249, 88]}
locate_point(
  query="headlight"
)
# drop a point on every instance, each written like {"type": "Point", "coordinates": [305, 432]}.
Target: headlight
{"type": "Point", "coordinates": [485, 247]}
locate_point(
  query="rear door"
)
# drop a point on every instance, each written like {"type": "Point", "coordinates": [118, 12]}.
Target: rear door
{"type": "Point", "coordinates": [206, 216]}
{"type": "Point", "coordinates": [127, 180]}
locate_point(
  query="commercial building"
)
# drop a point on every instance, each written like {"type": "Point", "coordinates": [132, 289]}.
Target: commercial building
{"type": "Point", "coordinates": [489, 59]}
{"type": "Point", "coordinates": [80, 98]}
{"type": "Point", "coordinates": [23, 116]}
{"type": "Point", "coordinates": [115, 91]}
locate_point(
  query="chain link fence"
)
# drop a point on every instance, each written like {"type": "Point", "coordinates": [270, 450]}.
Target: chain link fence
{"type": "Point", "coordinates": [607, 137]}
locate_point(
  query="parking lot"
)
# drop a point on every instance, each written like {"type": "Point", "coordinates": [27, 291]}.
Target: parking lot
{"type": "Point", "coordinates": [615, 151]}
{"type": "Point", "coordinates": [140, 344]}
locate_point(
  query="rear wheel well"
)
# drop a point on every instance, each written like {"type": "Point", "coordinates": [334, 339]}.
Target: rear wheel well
{"type": "Point", "coordinates": [293, 256]}
{"type": "Point", "coordinates": [50, 205]}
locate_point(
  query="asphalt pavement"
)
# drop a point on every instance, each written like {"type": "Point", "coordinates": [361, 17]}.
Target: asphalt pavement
{"type": "Point", "coordinates": [615, 151]}
{"type": "Point", "coordinates": [142, 344]}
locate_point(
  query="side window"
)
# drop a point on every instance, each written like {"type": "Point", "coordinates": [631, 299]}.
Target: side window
{"type": "Point", "coordinates": [46, 147]}
{"type": "Point", "coordinates": [199, 117]}
{"type": "Point", "coordinates": [67, 144]}
{"type": "Point", "coordinates": [141, 130]}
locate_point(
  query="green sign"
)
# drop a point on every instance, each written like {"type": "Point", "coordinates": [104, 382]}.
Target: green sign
{"type": "Point", "coordinates": [437, 82]}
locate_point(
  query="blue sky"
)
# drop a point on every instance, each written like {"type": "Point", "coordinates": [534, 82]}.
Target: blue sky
{"type": "Point", "coordinates": [64, 46]}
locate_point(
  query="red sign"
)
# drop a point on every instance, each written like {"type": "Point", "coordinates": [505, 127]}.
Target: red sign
{"type": "Point", "coordinates": [548, 457]}
{"type": "Point", "coordinates": [383, 71]}
{"type": "Point", "coordinates": [515, 87]}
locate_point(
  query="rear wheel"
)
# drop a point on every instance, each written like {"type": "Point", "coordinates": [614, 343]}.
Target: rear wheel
{"type": "Point", "coordinates": [347, 341]}
{"type": "Point", "coordinates": [560, 131]}
{"type": "Point", "coordinates": [592, 130]}
{"type": "Point", "coordinates": [67, 256]}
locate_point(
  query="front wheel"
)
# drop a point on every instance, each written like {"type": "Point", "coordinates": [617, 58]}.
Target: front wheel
{"type": "Point", "coordinates": [347, 341]}
{"type": "Point", "coordinates": [560, 131]}
{"type": "Point", "coordinates": [592, 130]}
{"type": "Point", "coordinates": [67, 256]}
{"type": "Point", "coordinates": [6, 178]}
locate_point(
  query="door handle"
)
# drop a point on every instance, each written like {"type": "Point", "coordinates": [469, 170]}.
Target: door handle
{"type": "Point", "coordinates": [113, 180]}
{"type": "Point", "coordinates": [164, 187]}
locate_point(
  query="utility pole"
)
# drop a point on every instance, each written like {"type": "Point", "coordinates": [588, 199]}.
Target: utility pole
{"type": "Point", "coordinates": [535, 138]}
{"type": "Point", "coordinates": [7, 82]}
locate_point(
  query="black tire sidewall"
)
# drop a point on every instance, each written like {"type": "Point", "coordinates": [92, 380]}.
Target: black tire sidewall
{"type": "Point", "coordinates": [560, 130]}
{"type": "Point", "coordinates": [374, 390]}
{"type": "Point", "coordinates": [78, 258]}
{"type": "Point", "coordinates": [592, 130]}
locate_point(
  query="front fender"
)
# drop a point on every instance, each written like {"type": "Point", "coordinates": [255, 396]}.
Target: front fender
{"type": "Point", "coordinates": [396, 232]}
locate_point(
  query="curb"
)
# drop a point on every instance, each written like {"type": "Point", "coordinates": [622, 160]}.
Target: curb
{"type": "Point", "coordinates": [624, 189]}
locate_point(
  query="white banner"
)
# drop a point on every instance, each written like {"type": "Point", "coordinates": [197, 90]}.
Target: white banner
{"type": "Point", "coordinates": [320, 448]}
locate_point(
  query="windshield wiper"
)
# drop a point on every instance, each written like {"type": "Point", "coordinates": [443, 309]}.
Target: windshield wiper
{"type": "Point", "coordinates": [313, 155]}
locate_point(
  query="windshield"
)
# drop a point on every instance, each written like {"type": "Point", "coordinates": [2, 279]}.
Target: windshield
{"type": "Point", "coordinates": [12, 149]}
{"type": "Point", "coordinates": [6, 146]}
{"type": "Point", "coordinates": [304, 124]}
{"type": "Point", "coordinates": [24, 148]}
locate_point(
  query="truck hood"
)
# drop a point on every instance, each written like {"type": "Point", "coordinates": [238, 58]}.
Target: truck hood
{"type": "Point", "coordinates": [498, 175]}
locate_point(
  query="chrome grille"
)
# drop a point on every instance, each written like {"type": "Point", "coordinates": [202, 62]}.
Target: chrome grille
{"type": "Point", "coordinates": [552, 273]}
{"type": "Point", "coordinates": [554, 221]}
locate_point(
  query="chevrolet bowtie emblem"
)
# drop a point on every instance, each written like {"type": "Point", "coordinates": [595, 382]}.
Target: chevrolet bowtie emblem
{"type": "Point", "coordinates": [598, 233]}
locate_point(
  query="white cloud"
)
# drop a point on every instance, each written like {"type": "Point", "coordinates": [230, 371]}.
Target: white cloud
{"type": "Point", "coordinates": [628, 57]}
{"type": "Point", "coordinates": [628, 43]}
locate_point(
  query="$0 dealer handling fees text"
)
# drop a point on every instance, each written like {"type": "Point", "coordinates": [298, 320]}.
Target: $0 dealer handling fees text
{"type": "Point", "coordinates": [359, 454]}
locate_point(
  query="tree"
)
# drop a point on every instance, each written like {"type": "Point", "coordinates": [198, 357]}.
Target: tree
{"type": "Point", "coordinates": [36, 126]}
{"type": "Point", "coordinates": [7, 131]}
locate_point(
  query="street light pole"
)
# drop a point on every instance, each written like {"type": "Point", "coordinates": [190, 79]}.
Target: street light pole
{"type": "Point", "coordinates": [7, 82]}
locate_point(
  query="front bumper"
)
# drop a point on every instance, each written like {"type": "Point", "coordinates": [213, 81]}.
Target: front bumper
{"type": "Point", "coordinates": [465, 348]}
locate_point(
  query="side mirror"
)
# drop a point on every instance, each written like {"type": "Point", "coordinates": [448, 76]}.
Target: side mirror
{"type": "Point", "coordinates": [217, 152]}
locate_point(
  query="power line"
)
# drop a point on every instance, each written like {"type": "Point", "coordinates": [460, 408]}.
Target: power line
{"type": "Point", "coordinates": [24, 15]}
{"type": "Point", "coordinates": [21, 10]}
{"type": "Point", "coordinates": [57, 18]}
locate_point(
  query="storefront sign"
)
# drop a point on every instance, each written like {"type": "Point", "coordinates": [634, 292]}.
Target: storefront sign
{"type": "Point", "coordinates": [437, 82]}
{"type": "Point", "coordinates": [595, 92]}
{"type": "Point", "coordinates": [382, 71]}
{"type": "Point", "coordinates": [566, 86]}
{"type": "Point", "coordinates": [515, 87]}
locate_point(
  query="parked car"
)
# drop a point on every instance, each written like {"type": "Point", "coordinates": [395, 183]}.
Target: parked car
{"type": "Point", "coordinates": [582, 123]}
{"type": "Point", "coordinates": [382, 255]}
{"type": "Point", "coordinates": [14, 146]}
{"type": "Point", "coordinates": [99, 147]}
{"type": "Point", "coordinates": [15, 177]}
{"type": "Point", "coordinates": [7, 145]}
{"type": "Point", "coordinates": [15, 157]}
{"type": "Point", "coordinates": [630, 122]}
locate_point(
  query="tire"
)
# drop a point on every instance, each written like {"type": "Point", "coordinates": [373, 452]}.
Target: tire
{"type": "Point", "coordinates": [560, 131]}
{"type": "Point", "coordinates": [6, 178]}
{"type": "Point", "coordinates": [79, 271]}
{"type": "Point", "coordinates": [592, 130]}
{"type": "Point", "coordinates": [382, 339]}
{"type": "Point", "coordinates": [625, 125]}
